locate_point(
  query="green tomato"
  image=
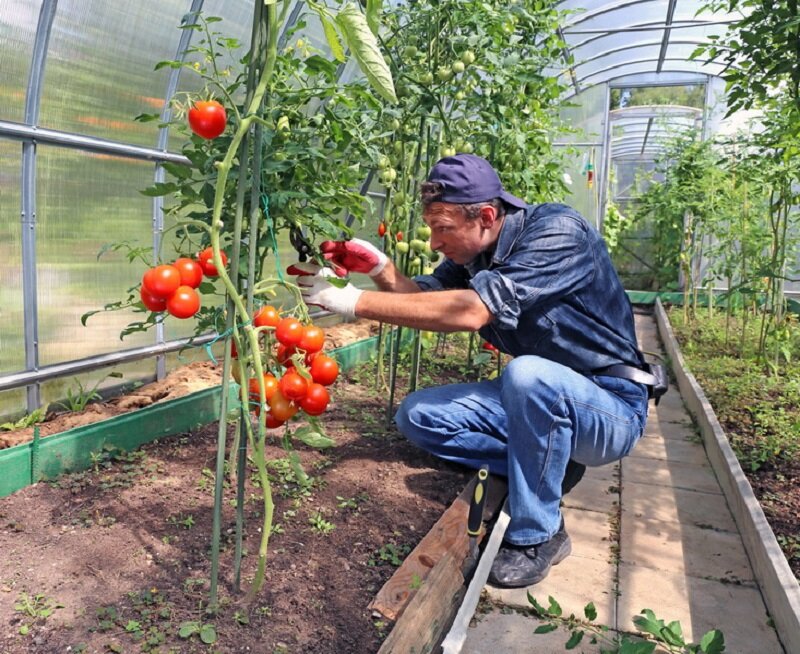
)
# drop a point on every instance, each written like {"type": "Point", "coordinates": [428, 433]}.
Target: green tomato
{"type": "Point", "coordinates": [383, 162]}
{"type": "Point", "coordinates": [467, 149]}
{"type": "Point", "coordinates": [444, 73]}
{"type": "Point", "coordinates": [427, 79]}
{"type": "Point", "coordinates": [460, 95]}
{"type": "Point", "coordinates": [423, 232]}
{"type": "Point", "coordinates": [398, 199]}
{"type": "Point", "coordinates": [395, 124]}
{"type": "Point", "coordinates": [468, 57]}
{"type": "Point", "coordinates": [417, 245]}
{"type": "Point", "coordinates": [427, 270]}
{"type": "Point", "coordinates": [409, 52]}
{"type": "Point", "coordinates": [458, 67]}
{"type": "Point", "coordinates": [448, 152]}
{"type": "Point", "coordinates": [402, 247]}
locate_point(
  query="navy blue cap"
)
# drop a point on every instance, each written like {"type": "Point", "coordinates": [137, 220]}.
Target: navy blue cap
{"type": "Point", "coordinates": [469, 179]}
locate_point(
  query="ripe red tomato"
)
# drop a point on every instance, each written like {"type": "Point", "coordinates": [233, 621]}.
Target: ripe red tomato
{"type": "Point", "coordinates": [313, 339]}
{"type": "Point", "coordinates": [489, 347]}
{"type": "Point", "coordinates": [267, 316]}
{"type": "Point", "coordinates": [207, 263]}
{"type": "Point", "coordinates": [191, 271]}
{"type": "Point", "coordinates": [270, 387]}
{"type": "Point", "coordinates": [284, 355]}
{"type": "Point", "coordinates": [207, 118]}
{"type": "Point", "coordinates": [382, 229]}
{"type": "Point", "coordinates": [289, 331]}
{"type": "Point", "coordinates": [281, 408]}
{"type": "Point", "coordinates": [271, 421]}
{"type": "Point", "coordinates": [316, 400]}
{"type": "Point", "coordinates": [151, 301]}
{"type": "Point", "coordinates": [184, 302]}
{"type": "Point", "coordinates": [293, 385]}
{"type": "Point", "coordinates": [162, 281]}
{"type": "Point", "coordinates": [399, 236]}
{"type": "Point", "coordinates": [324, 370]}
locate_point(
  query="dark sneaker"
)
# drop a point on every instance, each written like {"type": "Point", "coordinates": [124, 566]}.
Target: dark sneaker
{"type": "Point", "coordinates": [517, 566]}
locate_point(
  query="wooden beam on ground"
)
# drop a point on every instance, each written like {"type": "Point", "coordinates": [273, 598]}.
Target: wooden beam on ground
{"type": "Point", "coordinates": [431, 610]}
{"type": "Point", "coordinates": [447, 536]}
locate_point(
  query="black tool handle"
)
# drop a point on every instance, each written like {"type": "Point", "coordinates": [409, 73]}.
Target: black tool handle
{"type": "Point", "coordinates": [477, 501]}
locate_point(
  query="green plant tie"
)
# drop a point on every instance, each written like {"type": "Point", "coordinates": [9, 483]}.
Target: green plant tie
{"type": "Point", "coordinates": [220, 336]}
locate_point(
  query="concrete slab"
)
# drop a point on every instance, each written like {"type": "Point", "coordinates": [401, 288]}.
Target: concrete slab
{"type": "Point", "coordinates": [501, 632]}
{"type": "Point", "coordinates": [670, 449]}
{"type": "Point", "coordinates": [608, 472]}
{"type": "Point", "coordinates": [684, 548]}
{"type": "Point", "coordinates": [670, 473]}
{"type": "Point", "coordinates": [684, 431]}
{"type": "Point", "coordinates": [676, 505]}
{"type": "Point", "coordinates": [593, 495]}
{"type": "Point", "coordinates": [573, 583]}
{"type": "Point", "coordinates": [699, 605]}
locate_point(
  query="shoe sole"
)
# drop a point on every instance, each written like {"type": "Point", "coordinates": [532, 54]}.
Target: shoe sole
{"type": "Point", "coordinates": [562, 554]}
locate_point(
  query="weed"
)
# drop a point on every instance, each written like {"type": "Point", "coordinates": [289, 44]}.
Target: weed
{"type": "Point", "coordinates": [320, 524]}
{"type": "Point", "coordinates": [79, 397]}
{"type": "Point", "coordinates": [351, 502]}
{"type": "Point", "coordinates": [33, 418]}
{"type": "Point", "coordinates": [389, 553]}
{"type": "Point", "coordinates": [187, 522]}
{"type": "Point", "coordinates": [652, 632]}
{"type": "Point", "coordinates": [205, 631]}
{"type": "Point", "coordinates": [34, 609]}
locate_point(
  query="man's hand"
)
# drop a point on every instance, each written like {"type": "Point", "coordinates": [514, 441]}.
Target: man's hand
{"type": "Point", "coordinates": [318, 291]}
{"type": "Point", "coordinates": [354, 256]}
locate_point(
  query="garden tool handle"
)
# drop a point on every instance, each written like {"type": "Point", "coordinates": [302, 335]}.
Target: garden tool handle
{"type": "Point", "coordinates": [478, 499]}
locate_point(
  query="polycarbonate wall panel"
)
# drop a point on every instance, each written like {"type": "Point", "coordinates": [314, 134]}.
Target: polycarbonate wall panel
{"type": "Point", "coordinates": [583, 197]}
{"type": "Point", "coordinates": [12, 349]}
{"type": "Point", "coordinates": [99, 70]}
{"type": "Point", "coordinates": [84, 202]}
{"type": "Point", "coordinates": [585, 114]}
{"type": "Point", "coordinates": [17, 31]}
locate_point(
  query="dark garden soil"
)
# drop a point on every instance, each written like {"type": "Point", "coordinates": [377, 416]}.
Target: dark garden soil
{"type": "Point", "coordinates": [116, 559]}
{"type": "Point", "coordinates": [760, 415]}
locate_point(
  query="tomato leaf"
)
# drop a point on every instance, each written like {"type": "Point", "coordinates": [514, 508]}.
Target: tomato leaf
{"type": "Point", "coordinates": [208, 634]}
{"type": "Point", "coordinates": [159, 189]}
{"type": "Point", "coordinates": [332, 37]}
{"type": "Point", "coordinates": [374, 15]}
{"type": "Point", "coordinates": [364, 46]}
{"type": "Point", "coordinates": [311, 437]}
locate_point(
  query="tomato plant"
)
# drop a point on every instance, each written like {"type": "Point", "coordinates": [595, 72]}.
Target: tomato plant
{"type": "Point", "coordinates": [289, 331]}
{"type": "Point", "coordinates": [191, 272]}
{"type": "Point", "coordinates": [324, 370]}
{"type": "Point", "coordinates": [184, 302]}
{"type": "Point", "coordinates": [313, 339]}
{"type": "Point", "coordinates": [207, 264]}
{"type": "Point", "coordinates": [207, 118]}
{"type": "Point", "coordinates": [162, 281]}
{"type": "Point", "coordinates": [316, 399]}
{"type": "Point", "coordinates": [151, 301]}
{"type": "Point", "coordinates": [266, 316]}
{"type": "Point", "coordinates": [281, 407]}
{"type": "Point", "coordinates": [293, 385]}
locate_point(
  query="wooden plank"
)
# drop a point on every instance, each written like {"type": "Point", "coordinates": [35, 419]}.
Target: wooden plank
{"type": "Point", "coordinates": [422, 626]}
{"type": "Point", "coordinates": [448, 535]}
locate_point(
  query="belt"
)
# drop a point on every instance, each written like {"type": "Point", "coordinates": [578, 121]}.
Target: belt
{"type": "Point", "coordinates": [628, 372]}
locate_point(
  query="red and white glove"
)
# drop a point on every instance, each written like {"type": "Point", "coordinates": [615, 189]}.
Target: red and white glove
{"type": "Point", "coordinates": [318, 291]}
{"type": "Point", "coordinates": [354, 256]}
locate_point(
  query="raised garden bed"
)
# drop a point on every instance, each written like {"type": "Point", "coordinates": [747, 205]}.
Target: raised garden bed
{"type": "Point", "coordinates": [122, 549]}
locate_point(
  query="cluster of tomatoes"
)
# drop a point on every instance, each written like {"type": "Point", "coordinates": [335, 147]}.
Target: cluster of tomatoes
{"type": "Point", "coordinates": [297, 345]}
{"type": "Point", "coordinates": [172, 287]}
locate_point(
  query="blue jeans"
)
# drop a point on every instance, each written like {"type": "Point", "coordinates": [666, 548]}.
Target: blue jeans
{"type": "Point", "coordinates": [526, 425]}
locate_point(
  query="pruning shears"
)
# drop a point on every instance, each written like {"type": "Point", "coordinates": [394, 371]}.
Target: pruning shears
{"type": "Point", "coordinates": [300, 243]}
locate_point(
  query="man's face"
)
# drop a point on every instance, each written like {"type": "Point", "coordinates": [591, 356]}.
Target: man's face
{"type": "Point", "coordinates": [457, 237]}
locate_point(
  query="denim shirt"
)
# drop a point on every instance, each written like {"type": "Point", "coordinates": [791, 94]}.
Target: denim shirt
{"type": "Point", "coordinates": [552, 289]}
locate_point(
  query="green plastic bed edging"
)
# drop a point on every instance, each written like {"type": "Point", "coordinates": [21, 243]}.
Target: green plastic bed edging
{"type": "Point", "coordinates": [649, 297]}
{"type": "Point", "coordinates": [72, 450]}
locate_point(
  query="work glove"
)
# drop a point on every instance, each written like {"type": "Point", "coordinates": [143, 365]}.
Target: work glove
{"type": "Point", "coordinates": [317, 290]}
{"type": "Point", "coordinates": [354, 256]}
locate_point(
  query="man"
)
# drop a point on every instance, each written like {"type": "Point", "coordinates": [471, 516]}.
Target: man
{"type": "Point", "coordinates": [536, 282]}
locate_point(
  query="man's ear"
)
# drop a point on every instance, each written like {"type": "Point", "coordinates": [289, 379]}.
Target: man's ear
{"type": "Point", "coordinates": [488, 216]}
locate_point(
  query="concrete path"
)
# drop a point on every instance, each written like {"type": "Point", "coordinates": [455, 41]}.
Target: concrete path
{"type": "Point", "coordinates": [652, 531]}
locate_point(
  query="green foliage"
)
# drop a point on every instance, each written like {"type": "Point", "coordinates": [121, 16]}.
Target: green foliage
{"type": "Point", "coordinates": [652, 632]}
{"type": "Point", "coordinates": [33, 418]}
{"type": "Point", "coordinates": [80, 396]}
{"type": "Point", "coordinates": [685, 96]}
{"type": "Point", "coordinates": [390, 553]}
{"type": "Point", "coordinates": [319, 524]}
{"type": "Point", "coordinates": [35, 609]}
{"type": "Point", "coordinates": [204, 631]}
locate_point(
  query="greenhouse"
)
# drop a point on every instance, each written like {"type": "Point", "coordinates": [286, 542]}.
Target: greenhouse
{"type": "Point", "coordinates": [434, 326]}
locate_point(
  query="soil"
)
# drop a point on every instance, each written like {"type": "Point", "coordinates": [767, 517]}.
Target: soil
{"type": "Point", "coordinates": [179, 382]}
{"type": "Point", "coordinates": [116, 559]}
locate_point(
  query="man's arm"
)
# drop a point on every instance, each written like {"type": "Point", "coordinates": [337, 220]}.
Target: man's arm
{"type": "Point", "coordinates": [392, 280]}
{"type": "Point", "coordinates": [441, 311]}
